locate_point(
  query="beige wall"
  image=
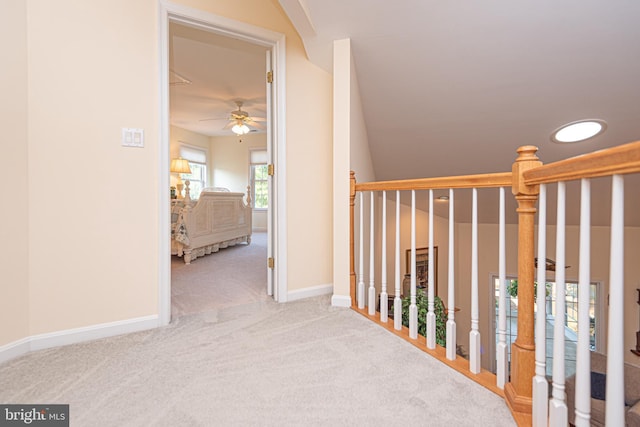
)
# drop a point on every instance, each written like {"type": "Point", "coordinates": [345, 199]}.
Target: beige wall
{"type": "Point", "coordinates": [230, 166]}
{"type": "Point", "coordinates": [230, 160]}
{"type": "Point", "coordinates": [93, 228]}
{"type": "Point", "coordinates": [14, 174]}
{"type": "Point", "coordinates": [92, 222]}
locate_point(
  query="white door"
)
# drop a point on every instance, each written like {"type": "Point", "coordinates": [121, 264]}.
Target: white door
{"type": "Point", "coordinates": [270, 187]}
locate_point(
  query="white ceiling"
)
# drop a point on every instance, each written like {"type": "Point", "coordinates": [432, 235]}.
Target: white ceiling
{"type": "Point", "coordinates": [222, 71]}
{"type": "Point", "coordinates": [453, 88]}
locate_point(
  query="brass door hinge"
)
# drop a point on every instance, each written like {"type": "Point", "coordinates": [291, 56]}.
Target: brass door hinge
{"type": "Point", "coordinates": [270, 170]}
{"type": "Point", "coordinates": [270, 77]}
{"type": "Point", "coordinates": [270, 262]}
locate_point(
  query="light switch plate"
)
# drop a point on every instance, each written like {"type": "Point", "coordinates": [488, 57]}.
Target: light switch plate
{"type": "Point", "coordinates": [132, 137]}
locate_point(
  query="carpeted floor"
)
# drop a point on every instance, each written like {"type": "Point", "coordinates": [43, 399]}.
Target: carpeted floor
{"type": "Point", "coordinates": [303, 363]}
{"type": "Point", "coordinates": [233, 357]}
{"type": "Point", "coordinates": [232, 276]}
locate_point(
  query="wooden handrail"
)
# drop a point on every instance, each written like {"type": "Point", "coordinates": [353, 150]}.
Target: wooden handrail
{"type": "Point", "coordinates": [623, 159]}
{"type": "Point", "coordinates": [502, 179]}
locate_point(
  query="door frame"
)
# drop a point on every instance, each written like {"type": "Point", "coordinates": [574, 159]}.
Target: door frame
{"type": "Point", "coordinates": [171, 12]}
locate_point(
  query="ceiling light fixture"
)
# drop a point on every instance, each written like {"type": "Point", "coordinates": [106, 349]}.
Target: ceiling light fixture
{"type": "Point", "coordinates": [580, 130]}
{"type": "Point", "coordinates": [240, 128]}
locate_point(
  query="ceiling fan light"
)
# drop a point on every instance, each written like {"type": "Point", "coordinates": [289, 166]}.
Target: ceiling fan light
{"type": "Point", "coordinates": [240, 129]}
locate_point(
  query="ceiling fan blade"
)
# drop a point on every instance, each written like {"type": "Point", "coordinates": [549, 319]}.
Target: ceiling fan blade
{"type": "Point", "coordinates": [257, 119]}
{"type": "Point", "coordinates": [213, 118]}
{"type": "Point", "coordinates": [250, 122]}
{"type": "Point", "coordinates": [229, 125]}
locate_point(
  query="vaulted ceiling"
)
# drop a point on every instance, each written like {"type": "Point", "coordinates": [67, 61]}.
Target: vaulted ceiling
{"type": "Point", "coordinates": [453, 88]}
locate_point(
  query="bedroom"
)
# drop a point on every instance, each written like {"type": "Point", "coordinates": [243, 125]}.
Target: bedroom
{"type": "Point", "coordinates": [203, 98]}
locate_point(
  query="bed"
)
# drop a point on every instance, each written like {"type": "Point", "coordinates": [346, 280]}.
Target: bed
{"type": "Point", "coordinates": [218, 219]}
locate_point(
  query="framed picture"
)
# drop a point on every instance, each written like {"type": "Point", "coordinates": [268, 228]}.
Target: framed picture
{"type": "Point", "coordinates": [422, 267]}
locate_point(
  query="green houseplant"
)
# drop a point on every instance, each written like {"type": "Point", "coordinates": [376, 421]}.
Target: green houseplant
{"type": "Point", "coordinates": [512, 289]}
{"type": "Point", "coordinates": [423, 308]}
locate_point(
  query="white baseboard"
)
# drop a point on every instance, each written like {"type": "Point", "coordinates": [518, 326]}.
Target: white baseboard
{"type": "Point", "coordinates": [14, 349]}
{"type": "Point", "coordinates": [340, 300]}
{"type": "Point", "coordinates": [76, 335]}
{"type": "Point", "coordinates": [313, 291]}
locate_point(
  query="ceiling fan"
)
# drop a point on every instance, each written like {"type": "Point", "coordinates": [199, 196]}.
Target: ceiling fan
{"type": "Point", "coordinates": [239, 121]}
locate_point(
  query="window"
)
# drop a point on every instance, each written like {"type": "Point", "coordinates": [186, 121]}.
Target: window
{"type": "Point", "coordinates": [259, 179]}
{"type": "Point", "coordinates": [570, 320]}
{"type": "Point", "coordinates": [197, 158]}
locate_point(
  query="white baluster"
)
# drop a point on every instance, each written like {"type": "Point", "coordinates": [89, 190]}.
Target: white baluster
{"type": "Point", "coordinates": [360, 295]}
{"type": "Point", "coordinates": [397, 301]}
{"type": "Point", "coordinates": [384, 307]}
{"type": "Point", "coordinates": [540, 410]}
{"type": "Point", "coordinates": [474, 334]}
{"type": "Point", "coordinates": [451, 322]}
{"type": "Point", "coordinates": [583, 358]}
{"type": "Point", "coordinates": [371, 300]}
{"type": "Point", "coordinates": [558, 412]}
{"type": "Point", "coordinates": [431, 315]}
{"type": "Point", "coordinates": [502, 361]}
{"type": "Point", "coordinates": [614, 411]}
{"type": "Point", "coordinates": [413, 309]}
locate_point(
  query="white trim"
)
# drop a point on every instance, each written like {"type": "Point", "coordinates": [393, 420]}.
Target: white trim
{"type": "Point", "coordinates": [313, 291]}
{"type": "Point", "coordinates": [252, 34]}
{"type": "Point", "coordinates": [14, 349]}
{"type": "Point", "coordinates": [279, 206]}
{"type": "Point", "coordinates": [76, 335]}
{"type": "Point", "coordinates": [340, 301]}
{"type": "Point", "coordinates": [164, 217]}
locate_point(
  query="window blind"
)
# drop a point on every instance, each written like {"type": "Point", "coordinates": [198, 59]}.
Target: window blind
{"type": "Point", "coordinates": [193, 154]}
{"type": "Point", "coordinates": [259, 157]}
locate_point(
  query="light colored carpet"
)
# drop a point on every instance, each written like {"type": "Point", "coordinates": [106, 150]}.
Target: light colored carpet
{"type": "Point", "coordinates": [303, 363]}
{"type": "Point", "coordinates": [232, 276]}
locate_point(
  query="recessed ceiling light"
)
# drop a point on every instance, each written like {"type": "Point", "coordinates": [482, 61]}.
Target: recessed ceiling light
{"type": "Point", "coordinates": [579, 131]}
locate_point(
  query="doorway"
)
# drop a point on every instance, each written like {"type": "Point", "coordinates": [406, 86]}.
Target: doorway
{"type": "Point", "coordinates": [272, 46]}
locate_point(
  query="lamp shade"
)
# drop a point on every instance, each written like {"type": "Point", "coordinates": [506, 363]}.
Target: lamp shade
{"type": "Point", "coordinates": [180, 165]}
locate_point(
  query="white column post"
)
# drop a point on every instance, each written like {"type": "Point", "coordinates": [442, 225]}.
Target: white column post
{"type": "Point", "coordinates": [502, 361]}
{"type": "Point", "coordinates": [371, 300]}
{"type": "Point", "coordinates": [431, 315]}
{"type": "Point", "coordinates": [413, 309]}
{"type": "Point", "coordinates": [583, 358]}
{"type": "Point", "coordinates": [474, 334]}
{"type": "Point", "coordinates": [397, 301]}
{"type": "Point", "coordinates": [558, 412]}
{"type": "Point", "coordinates": [540, 394]}
{"type": "Point", "coordinates": [384, 306]}
{"type": "Point", "coordinates": [360, 295]}
{"type": "Point", "coordinates": [614, 410]}
{"type": "Point", "coordinates": [451, 322]}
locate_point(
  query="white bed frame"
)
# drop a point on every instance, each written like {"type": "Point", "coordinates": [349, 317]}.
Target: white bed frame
{"type": "Point", "coordinates": [215, 221]}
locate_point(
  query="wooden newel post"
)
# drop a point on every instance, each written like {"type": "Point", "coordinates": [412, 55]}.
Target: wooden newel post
{"type": "Point", "coordinates": [519, 390]}
{"type": "Point", "coordinates": [352, 265]}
